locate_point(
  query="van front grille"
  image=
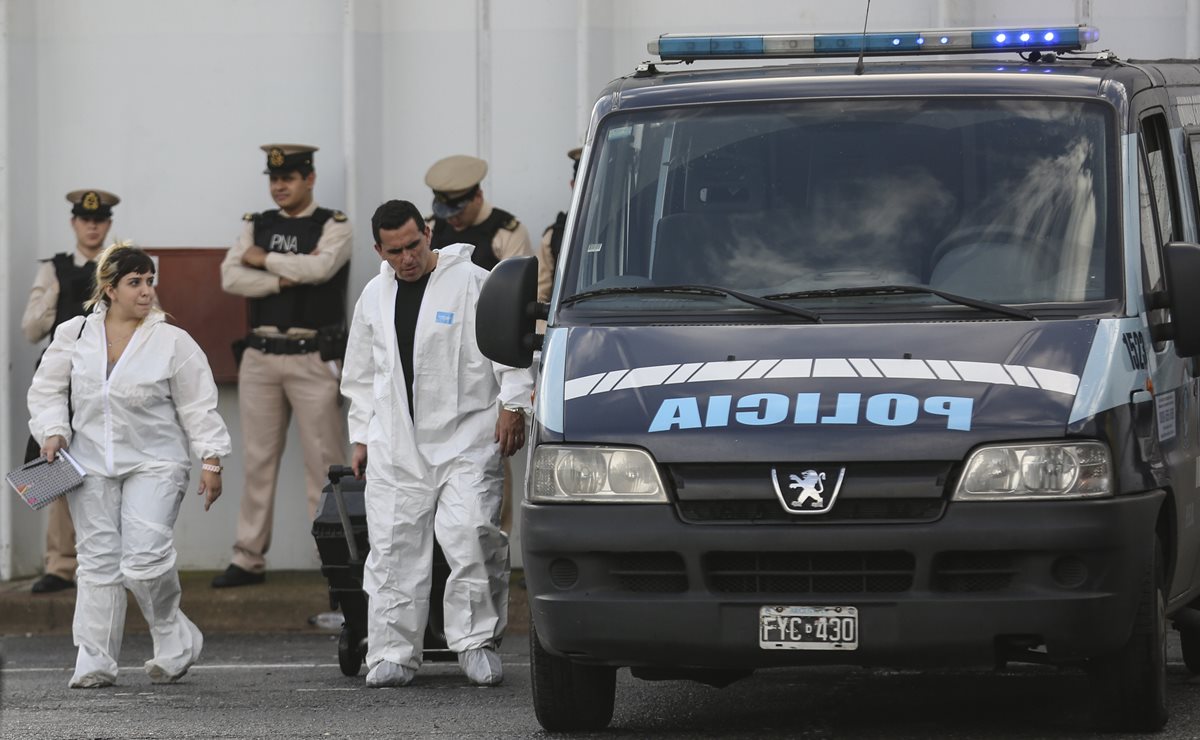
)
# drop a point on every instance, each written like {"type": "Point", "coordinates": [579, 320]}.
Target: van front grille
{"type": "Point", "coordinates": [858, 511]}
{"type": "Point", "coordinates": [650, 572]}
{"type": "Point", "coordinates": [972, 572]}
{"type": "Point", "coordinates": [809, 573]}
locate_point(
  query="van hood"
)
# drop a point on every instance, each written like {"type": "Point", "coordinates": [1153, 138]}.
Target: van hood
{"type": "Point", "coordinates": [836, 392]}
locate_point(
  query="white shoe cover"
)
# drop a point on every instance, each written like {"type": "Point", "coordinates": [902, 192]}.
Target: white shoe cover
{"type": "Point", "coordinates": [482, 666]}
{"type": "Point", "coordinates": [387, 674]}
{"type": "Point", "coordinates": [159, 674]}
{"type": "Point", "coordinates": [94, 680]}
{"type": "Point", "coordinates": [177, 641]}
{"type": "Point", "coordinates": [98, 626]}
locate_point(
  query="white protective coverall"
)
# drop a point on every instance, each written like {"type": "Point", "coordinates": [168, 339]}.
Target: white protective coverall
{"type": "Point", "coordinates": [131, 432]}
{"type": "Point", "coordinates": [442, 476]}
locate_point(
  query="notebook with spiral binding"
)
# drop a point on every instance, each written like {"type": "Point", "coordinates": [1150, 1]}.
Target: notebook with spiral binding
{"type": "Point", "coordinates": [40, 482]}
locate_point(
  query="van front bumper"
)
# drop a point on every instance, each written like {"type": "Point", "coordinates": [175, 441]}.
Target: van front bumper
{"type": "Point", "coordinates": [632, 585]}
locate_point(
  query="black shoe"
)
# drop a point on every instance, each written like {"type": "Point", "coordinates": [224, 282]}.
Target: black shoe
{"type": "Point", "coordinates": [50, 583]}
{"type": "Point", "coordinates": [235, 576]}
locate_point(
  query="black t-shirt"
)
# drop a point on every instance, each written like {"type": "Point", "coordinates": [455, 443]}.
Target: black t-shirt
{"type": "Point", "coordinates": [408, 307]}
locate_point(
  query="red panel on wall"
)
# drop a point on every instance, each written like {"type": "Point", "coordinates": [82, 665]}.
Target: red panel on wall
{"type": "Point", "coordinates": [189, 281]}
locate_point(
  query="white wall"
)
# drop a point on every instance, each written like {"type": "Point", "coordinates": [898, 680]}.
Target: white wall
{"type": "Point", "coordinates": [18, 533]}
{"type": "Point", "coordinates": [165, 103]}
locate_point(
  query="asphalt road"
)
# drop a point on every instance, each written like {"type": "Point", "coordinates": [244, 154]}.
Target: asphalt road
{"type": "Point", "coordinates": [289, 686]}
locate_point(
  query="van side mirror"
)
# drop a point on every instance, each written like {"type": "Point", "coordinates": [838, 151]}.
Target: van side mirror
{"type": "Point", "coordinates": [1182, 273]}
{"type": "Point", "coordinates": [507, 314]}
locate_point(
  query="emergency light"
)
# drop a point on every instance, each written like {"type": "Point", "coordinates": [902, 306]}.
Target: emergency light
{"type": "Point", "coordinates": [688, 47]}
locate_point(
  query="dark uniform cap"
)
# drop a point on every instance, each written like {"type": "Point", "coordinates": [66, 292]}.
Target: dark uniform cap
{"type": "Point", "coordinates": [454, 181]}
{"type": "Point", "coordinates": [95, 204]}
{"type": "Point", "coordinates": [284, 158]}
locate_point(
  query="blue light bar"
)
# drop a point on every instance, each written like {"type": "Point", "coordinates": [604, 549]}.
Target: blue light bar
{"type": "Point", "coordinates": [688, 47]}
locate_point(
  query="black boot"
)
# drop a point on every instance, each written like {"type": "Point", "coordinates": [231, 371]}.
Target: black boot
{"type": "Point", "coordinates": [235, 576]}
{"type": "Point", "coordinates": [50, 583]}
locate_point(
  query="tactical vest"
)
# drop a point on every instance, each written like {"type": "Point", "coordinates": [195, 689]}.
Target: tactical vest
{"type": "Point", "coordinates": [301, 306]}
{"type": "Point", "coordinates": [556, 235]}
{"type": "Point", "coordinates": [481, 235]}
{"type": "Point", "coordinates": [75, 286]}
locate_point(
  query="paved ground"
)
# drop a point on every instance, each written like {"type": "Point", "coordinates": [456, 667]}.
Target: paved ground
{"type": "Point", "coordinates": [285, 683]}
{"type": "Point", "coordinates": [288, 686]}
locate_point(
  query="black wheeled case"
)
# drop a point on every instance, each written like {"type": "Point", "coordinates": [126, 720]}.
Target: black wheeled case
{"type": "Point", "coordinates": [340, 531]}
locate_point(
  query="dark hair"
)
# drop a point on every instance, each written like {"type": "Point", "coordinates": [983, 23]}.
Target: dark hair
{"type": "Point", "coordinates": [115, 262]}
{"type": "Point", "coordinates": [393, 215]}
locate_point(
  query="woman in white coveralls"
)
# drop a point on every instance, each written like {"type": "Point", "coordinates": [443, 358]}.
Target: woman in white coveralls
{"type": "Point", "coordinates": [128, 394]}
{"type": "Point", "coordinates": [430, 418]}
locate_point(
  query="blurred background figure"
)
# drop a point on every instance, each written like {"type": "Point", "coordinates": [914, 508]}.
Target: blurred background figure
{"type": "Point", "coordinates": [461, 215]}
{"type": "Point", "coordinates": [62, 284]}
{"type": "Point", "coordinates": [293, 264]}
{"type": "Point", "coordinates": [552, 238]}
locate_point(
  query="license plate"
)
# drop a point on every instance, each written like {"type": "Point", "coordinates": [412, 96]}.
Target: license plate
{"type": "Point", "coordinates": [808, 628]}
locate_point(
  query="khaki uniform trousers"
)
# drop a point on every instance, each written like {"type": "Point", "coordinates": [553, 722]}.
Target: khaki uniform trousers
{"type": "Point", "coordinates": [60, 531]}
{"type": "Point", "coordinates": [270, 389]}
{"type": "Point", "coordinates": [60, 540]}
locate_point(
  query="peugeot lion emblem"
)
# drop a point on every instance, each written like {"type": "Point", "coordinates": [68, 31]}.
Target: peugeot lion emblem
{"type": "Point", "coordinates": [806, 492]}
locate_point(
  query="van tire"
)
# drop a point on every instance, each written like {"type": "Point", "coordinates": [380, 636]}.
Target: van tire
{"type": "Point", "coordinates": [568, 696]}
{"type": "Point", "coordinates": [1130, 685]}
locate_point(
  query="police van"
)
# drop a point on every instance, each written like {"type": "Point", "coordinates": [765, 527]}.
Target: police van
{"type": "Point", "coordinates": [871, 361]}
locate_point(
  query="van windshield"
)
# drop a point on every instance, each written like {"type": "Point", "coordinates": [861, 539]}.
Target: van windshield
{"type": "Point", "coordinates": [1010, 201]}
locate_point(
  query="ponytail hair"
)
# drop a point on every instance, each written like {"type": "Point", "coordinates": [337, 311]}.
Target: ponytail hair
{"type": "Point", "coordinates": [118, 259]}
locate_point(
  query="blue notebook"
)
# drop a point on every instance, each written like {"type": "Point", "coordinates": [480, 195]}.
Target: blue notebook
{"type": "Point", "coordinates": [39, 482]}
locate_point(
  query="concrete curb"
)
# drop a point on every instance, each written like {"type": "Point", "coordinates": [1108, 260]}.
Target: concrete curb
{"type": "Point", "coordinates": [284, 603]}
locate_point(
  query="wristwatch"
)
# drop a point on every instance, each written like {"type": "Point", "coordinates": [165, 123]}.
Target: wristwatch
{"type": "Point", "coordinates": [210, 467]}
{"type": "Point", "coordinates": [523, 411]}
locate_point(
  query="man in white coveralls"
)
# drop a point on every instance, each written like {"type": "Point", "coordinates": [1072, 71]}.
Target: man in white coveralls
{"type": "Point", "coordinates": [430, 419]}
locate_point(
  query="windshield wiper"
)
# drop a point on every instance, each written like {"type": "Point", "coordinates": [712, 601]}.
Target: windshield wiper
{"type": "Point", "coordinates": [753, 300]}
{"type": "Point", "coordinates": [962, 300]}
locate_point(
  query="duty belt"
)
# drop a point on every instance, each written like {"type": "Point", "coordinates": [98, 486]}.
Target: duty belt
{"type": "Point", "coordinates": [282, 345]}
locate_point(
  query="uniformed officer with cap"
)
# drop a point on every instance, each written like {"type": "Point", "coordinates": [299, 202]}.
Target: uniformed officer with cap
{"type": "Point", "coordinates": [552, 239]}
{"type": "Point", "coordinates": [461, 215]}
{"type": "Point", "coordinates": [293, 264]}
{"type": "Point", "coordinates": [60, 287]}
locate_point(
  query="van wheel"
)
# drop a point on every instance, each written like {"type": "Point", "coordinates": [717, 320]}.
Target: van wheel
{"type": "Point", "coordinates": [1130, 685]}
{"type": "Point", "coordinates": [568, 696]}
{"type": "Point", "coordinates": [350, 652]}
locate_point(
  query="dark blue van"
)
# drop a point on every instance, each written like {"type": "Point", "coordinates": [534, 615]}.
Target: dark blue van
{"type": "Point", "coordinates": [884, 362]}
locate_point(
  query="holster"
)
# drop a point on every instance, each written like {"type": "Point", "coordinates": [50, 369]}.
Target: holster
{"type": "Point", "coordinates": [239, 348]}
{"type": "Point", "coordinates": [331, 342]}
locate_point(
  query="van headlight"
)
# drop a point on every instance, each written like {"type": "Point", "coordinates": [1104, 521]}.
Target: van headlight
{"type": "Point", "coordinates": [1050, 470]}
{"type": "Point", "coordinates": [595, 474]}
